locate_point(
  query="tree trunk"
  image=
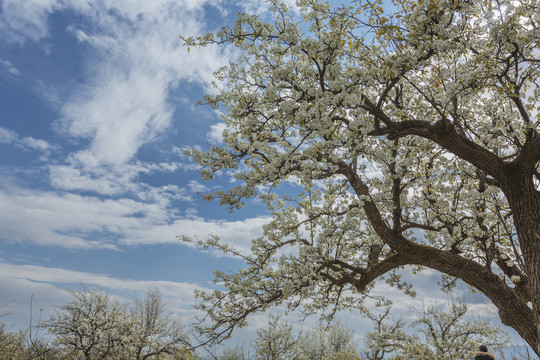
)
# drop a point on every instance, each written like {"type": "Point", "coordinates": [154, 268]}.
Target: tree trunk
{"type": "Point", "coordinates": [524, 201]}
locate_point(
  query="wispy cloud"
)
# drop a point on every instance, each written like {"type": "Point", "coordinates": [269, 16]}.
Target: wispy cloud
{"type": "Point", "coordinates": [63, 276]}
{"type": "Point", "coordinates": [47, 286]}
{"type": "Point", "coordinates": [134, 59]}
{"type": "Point", "coordinates": [7, 66]}
{"type": "Point", "coordinates": [8, 136]}
{"type": "Point", "coordinates": [66, 220]}
{"type": "Point", "coordinates": [126, 104]}
{"type": "Point", "coordinates": [26, 20]}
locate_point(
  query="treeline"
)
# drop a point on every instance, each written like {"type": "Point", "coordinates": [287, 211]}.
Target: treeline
{"type": "Point", "coordinates": [436, 334]}
{"type": "Point", "coordinates": [96, 326]}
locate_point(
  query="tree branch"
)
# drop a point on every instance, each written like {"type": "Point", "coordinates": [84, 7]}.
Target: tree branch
{"type": "Point", "coordinates": [443, 134]}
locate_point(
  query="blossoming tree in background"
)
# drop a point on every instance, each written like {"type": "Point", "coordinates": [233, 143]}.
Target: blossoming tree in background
{"type": "Point", "coordinates": [94, 325]}
{"type": "Point", "coordinates": [443, 332]}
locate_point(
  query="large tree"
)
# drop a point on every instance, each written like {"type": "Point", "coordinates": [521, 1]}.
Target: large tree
{"type": "Point", "coordinates": [406, 134]}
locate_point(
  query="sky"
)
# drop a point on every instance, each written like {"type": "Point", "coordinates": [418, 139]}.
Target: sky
{"type": "Point", "coordinates": [97, 105]}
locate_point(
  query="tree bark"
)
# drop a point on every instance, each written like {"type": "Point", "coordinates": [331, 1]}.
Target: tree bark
{"type": "Point", "coordinates": [524, 200]}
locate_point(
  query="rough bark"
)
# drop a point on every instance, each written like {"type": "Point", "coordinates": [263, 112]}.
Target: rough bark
{"type": "Point", "coordinates": [524, 201]}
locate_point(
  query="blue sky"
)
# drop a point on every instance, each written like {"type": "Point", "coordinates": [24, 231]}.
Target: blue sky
{"type": "Point", "coordinates": [97, 104]}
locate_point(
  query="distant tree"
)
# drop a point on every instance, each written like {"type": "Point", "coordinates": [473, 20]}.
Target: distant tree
{"type": "Point", "coordinates": [155, 332]}
{"type": "Point", "coordinates": [381, 136]}
{"type": "Point", "coordinates": [31, 344]}
{"type": "Point", "coordinates": [438, 333]}
{"type": "Point", "coordinates": [93, 326]}
{"type": "Point", "coordinates": [181, 354]}
{"type": "Point", "coordinates": [12, 345]}
{"type": "Point", "coordinates": [276, 342]}
{"type": "Point", "coordinates": [387, 337]}
{"type": "Point", "coordinates": [328, 343]}
{"type": "Point", "coordinates": [233, 354]}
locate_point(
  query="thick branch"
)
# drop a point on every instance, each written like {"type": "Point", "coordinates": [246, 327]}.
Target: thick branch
{"type": "Point", "coordinates": [513, 310]}
{"type": "Point", "coordinates": [367, 275]}
{"type": "Point", "coordinates": [529, 156]}
{"type": "Point", "coordinates": [445, 136]}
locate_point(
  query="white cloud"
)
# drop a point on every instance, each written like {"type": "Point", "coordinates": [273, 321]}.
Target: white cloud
{"type": "Point", "coordinates": [237, 234]}
{"type": "Point", "coordinates": [62, 276]}
{"type": "Point", "coordinates": [36, 144]}
{"type": "Point", "coordinates": [119, 116]}
{"type": "Point", "coordinates": [82, 222]}
{"type": "Point", "coordinates": [100, 181]}
{"type": "Point", "coordinates": [215, 135]}
{"type": "Point", "coordinates": [47, 288]}
{"type": "Point", "coordinates": [67, 220]}
{"type": "Point", "coordinates": [126, 102]}
{"type": "Point", "coordinates": [8, 136]}
{"type": "Point", "coordinates": [197, 187]}
{"type": "Point", "coordinates": [26, 20]}
{"type": "Point", "coordinates": [136, 59]}
{"type": "Point", "coordinates": [163, 195]}
{"type": "Point", "coordinates": [8, 66]}
{"type": "Point", "coordinates": [114, 179]}
{"type": "Point", "coordinates": [102, 42]}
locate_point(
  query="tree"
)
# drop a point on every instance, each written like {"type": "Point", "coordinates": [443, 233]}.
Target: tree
{"type": "Point", "coordinates": [277, 342]}
{"type": "Point", "coordinates": [92, 326]}
{"type": "Point", "coordinates": [12, 345]}
{"type": "Point", "coordinates": [155, 332]}
{"type": "Point", "coordinates": [328, 343]}
{"type": "Point", "coordinates": [407, 135]}
{"type": "Point", "coordinates": [438, 333]}
{"type": "Point", "coordinates": [387, 337]}
{"type": "Point", "coordinates": [233, 354]}
{"type": "Point", "coordinates": [95, 326]}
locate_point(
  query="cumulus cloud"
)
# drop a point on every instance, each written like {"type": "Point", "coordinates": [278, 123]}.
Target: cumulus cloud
{"type": "Point", "coordinates": [215, 135]}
